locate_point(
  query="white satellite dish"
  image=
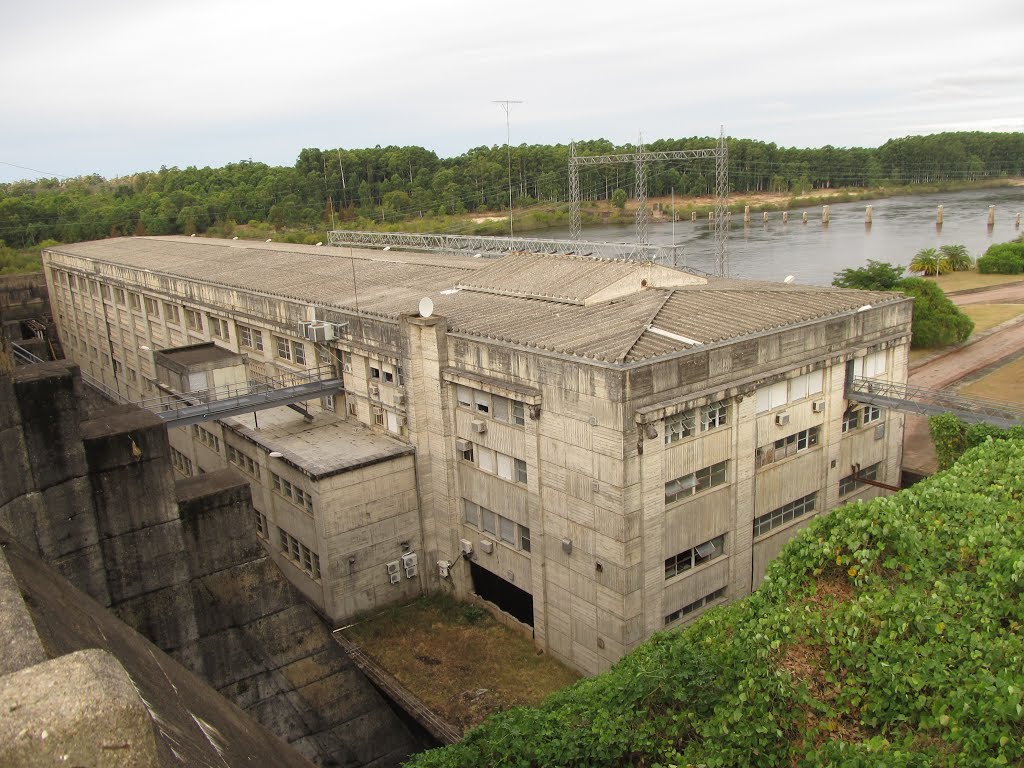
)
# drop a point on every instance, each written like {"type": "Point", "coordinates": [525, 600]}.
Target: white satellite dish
{"type": "Point", "coordinates": [426, 307]}
{"type": "Point", "coordinates": [789, 279]}
{"type": "Point", "coordinates": [275, 454]}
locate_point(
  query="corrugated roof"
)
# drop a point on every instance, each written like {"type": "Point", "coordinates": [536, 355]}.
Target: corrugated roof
{"type": "Point", "coordinates": [533, 301]}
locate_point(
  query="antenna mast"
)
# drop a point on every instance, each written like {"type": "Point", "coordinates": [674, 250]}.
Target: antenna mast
{"type": "Point", "coordinates": [506, 104]}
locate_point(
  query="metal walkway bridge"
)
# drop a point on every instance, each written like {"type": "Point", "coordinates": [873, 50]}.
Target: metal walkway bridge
{"type": "Point", "coordinates": [183, 409]}
{"type": "Point", "coordinates": [501, 246]}
{"type": "Point", "coordinates": [930, 402]}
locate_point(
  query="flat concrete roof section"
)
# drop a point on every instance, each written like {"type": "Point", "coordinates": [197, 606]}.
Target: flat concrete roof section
{"type": "Point", "coordinates": [200, 353]}
{"type": "Point", "coordinates": [326, 446]}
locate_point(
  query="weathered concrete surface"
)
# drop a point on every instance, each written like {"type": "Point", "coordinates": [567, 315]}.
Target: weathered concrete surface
{"type": "Point", "coordinates": [128, 704]}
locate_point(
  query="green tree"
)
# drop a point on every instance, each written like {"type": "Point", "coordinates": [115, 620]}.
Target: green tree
{"type": "Point", "coordinates": [876, 276]}
{"type": "Point", "coordinates": [929, 262]}
{"type": "Point", "coordinates": [956, 257]}
{"type": "Point", "coordinates": [619, 199]}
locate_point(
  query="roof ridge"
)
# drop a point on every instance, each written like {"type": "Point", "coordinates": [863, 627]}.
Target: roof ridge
{"type": "Point", "coordinates": [643, 328]}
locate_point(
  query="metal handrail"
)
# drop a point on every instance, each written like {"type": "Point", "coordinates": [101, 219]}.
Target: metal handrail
{"type": "Point", "coordinates": [256, 384]}
{"type": "Point", "coordinates": [27, 357]}
{"type": "Point", "coordinates": [978, 407]}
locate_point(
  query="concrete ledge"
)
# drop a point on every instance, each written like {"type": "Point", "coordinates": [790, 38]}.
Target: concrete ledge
{"type": "Point", "coordinates": [123, 435]}
{"type": "Point", "coordinates": [20, 646]}
{"type": "Point", "coordinates": [80, 709]}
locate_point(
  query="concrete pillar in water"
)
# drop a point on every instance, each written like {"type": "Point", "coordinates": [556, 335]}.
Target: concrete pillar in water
{"type": "Point", "coordinates": [805, 217]}
{"type": "Point", "coordinates": [869, 214]}
{"type": "Point", "coordinates": [1016, 221]}
{"type": "Point", "coordinates": [746, 214]}
{"type": "Point", "coordinates": [825, 214]}
{"type": "Point", "coordinates": [991, 215]}
{"type": "Point", "coordinates": [766, 217]}
{"type": "Point", "coordinates": [938, 216]}
{"type": "Point", "coordinates": [693, 216]}
{"type": "Point", "coordinates": [785, 217]}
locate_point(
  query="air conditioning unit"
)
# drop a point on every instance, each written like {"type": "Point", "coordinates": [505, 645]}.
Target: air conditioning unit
{"type": "Point", "coordinates": [879, 431]}
{"type": "Point", "coordinates": [442, 568]}
{"type": "Point", "coordinates": [478, 426]}
{"type": "Point", "coordinates": [346, 367]}
{"type": "Point", "coordinates": [395, 578]}
{"type": "Point", "coordinates": [374, 390]}
{"type": "Point", "coordinates": [818, 406]}
{"type": "Point", "coordinates": [781, 419]}
{"type": "Point", "coordinates": [400, 421]}
{"type": "Point", "coordinates": [487, 546]}
{"type": "Point", "coordinates": [409, 560]}
{"type": "Point", "coordinates": [319, 332]}
{"type": "Point", "coordinates": [463, 445]}
{"type": "Point", "coordinates": [393, 567]}
{"type": "Point", "coordinates": [410, 572]}
{"type": "Point", "coordinates": [466, 546]}
{"type": "Point", "coordinates": [399, 398]}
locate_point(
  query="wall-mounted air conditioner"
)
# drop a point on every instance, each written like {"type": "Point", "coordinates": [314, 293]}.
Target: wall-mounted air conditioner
{"type": "Point", "coordinates": [410, 572]}
{"type": "Point", "coordinates": [486, 546]}
{"type": "Point", "coordinates": [346, 367]}
{"type": "Point", "coordinates": [478, 426]}
{"type": "Point", "coordinates": [409, 560]}
{"type": "Point", "coordinates": [395, 578]}
{"type": "Point", "coordinates": [781, 419]}
{"type": "Point", "coordinates": [319, 332]}
{"type": "Point", "coordinates": [374, 390]}
{"type": "Point", "coordinates": [466, 546]}
{"type": "Point", "coordinates": [463, 445]}
{"type": "Point", "coordinates": [400, 421]}
{"type": "Point", "coordinates": [818, 406]}
{"type": "Point", "coordinates": [399, 398]}
{"type": "Point", "coordinates": [393, 566]}
{"type": "Point", "coordinates": [442, 568]}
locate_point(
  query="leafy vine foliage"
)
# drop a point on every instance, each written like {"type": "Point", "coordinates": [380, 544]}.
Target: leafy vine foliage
{"type": "Point", "coordinates": [951, 436]}
{"type": "Point", "coordinates": [888, 633]}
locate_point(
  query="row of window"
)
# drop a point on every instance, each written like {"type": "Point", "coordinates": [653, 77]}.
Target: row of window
{"type": "Point", "coordinates": [298, 553]}
{"type": "Point", "coordinates": [242, 461]}
{"type": "Point", "coordinates": [380, 372]}
{"type": "Point", "coordinates": [787, 391]}
{"type": "Point", "coordinates": [250, 337]}
{"type": "Point", "coordinates": [787, 446]}
{"type": "Point", "coordinates": [500, 527]}
{"type": "Point", "coordinates": [694, 556]}
{"type": "Point", "coordinates": [695, 482]}
{"type": "Point", "coordinates": [497, 463]}
{"type": "Point", "coordinates": [684, 424]}
{"type": "Point", "coordinates": [779, 517]}
{"type": "Point", "coordinates": [206, 437]}
{"type": "Point", "coordinates": [695, 605]}
{"type": "Point", "coordinates": [495, 406]}
{"type": "Point", "coordinates": [290, 350]}
{"type": "Point", "coordinates": [291, 492]}
{"type": "Point", "coordinates": [860, 415]}
{"type": "Point", "coordinates": [849, 484]}
{"type": "Point", "coordinates": [181, 462]}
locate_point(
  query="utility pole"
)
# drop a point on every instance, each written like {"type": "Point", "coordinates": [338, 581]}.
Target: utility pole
{"type": "Point", "coordinates": [506, 104]}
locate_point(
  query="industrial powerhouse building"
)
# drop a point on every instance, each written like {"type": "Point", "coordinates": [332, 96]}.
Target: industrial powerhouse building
{"type": "Point", "coordinates": [598, 448]}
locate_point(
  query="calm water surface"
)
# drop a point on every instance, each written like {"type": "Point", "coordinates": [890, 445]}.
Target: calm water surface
{"type": "Point", "coordinates": [813, 252]}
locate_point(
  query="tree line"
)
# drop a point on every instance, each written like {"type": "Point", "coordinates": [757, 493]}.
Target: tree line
{"type": "Point", "coordinates": [340, 187]}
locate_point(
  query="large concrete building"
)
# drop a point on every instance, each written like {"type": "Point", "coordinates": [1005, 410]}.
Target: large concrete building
{"type": "Point", "coordinates": [600, 449]}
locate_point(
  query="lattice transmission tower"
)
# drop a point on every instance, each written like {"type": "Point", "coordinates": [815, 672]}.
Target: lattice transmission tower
{"type": "Point", "coordinates": [720, 153]}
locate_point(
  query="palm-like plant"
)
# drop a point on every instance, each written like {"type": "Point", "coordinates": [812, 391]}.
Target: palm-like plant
{"type": "Point", "coordinates": [929, 262]}
{"type": "Point", "coordinates": [957, 257]}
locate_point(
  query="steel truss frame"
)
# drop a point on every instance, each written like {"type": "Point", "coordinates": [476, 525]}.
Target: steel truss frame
{"type": "Point", "coordinates": [720, 153]}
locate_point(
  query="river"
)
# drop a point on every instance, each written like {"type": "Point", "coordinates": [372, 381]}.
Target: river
{"type": "Point", "coordinates": [813, 252]}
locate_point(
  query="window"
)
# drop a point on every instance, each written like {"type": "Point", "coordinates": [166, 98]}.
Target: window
{"type": "Point", "coordinates": [851, 418]}
{"type": "Point", "coordinates": [219, 327]}
{"type": "Point", "coordinates": [374, 373]}
{"type": "Point", "coordinates": [507, 410]}
{"type": "Point", "coordinates": [695, 482]}
{"type": "Point", "coordinates": [504, 466]}
{"type": "Point", "coordinates": [785, 513]}
{"type": "Point", "coordinates": [346, 361]}
{"type": "Point", "coordinates": [250, 337]}
{"type": "Point", "coordinates": [136, 302]}
{"type": "Point", "coordinates": [695, 605]}
{"type": "Point", "coordinates": [242, 461]}
{"type": "Point", "coordinates": [713, 416]}
{"type": "Point", "coordinates": [291, 492]}
{"type": "Point", "coordinates": [133, 376]}
{"type": "Point", "coordinates": [327, 402]}
{"type": "Point", "coordinates": [507, 530]}
{"type": "Point", "coordinates": [482, 401]}
{"type": "Point", "coordinates": [870, 413]}
{"type": "Point", "coordinates": [468, 453]}
{"type": "Point", "coordinates": [785, 447]}
{"type": "Point", "coordinates": [105, 291]}
{"type": "Point", "coordinates": [772, 396]}
{"type": "Point", "coordinates": [524, 538]}
{"type": "Point", "coordinates": [262, 529]}
{"type": "Point", "coordinates": [193, 320]}
{"type": "Point", "coordinates": [181, 462]}
{"type": "Point", "coordinates": [299, 352]}
{"type": "Point", "coordinates": [679, 426]}
{"type": "Point", "coordinates": [206, 437]}
{"type": "Point", "coordinates": [117, 368]}
{"type": "Point", "coordinates": [521, 476]}
{"type": "Point", "coordinates": [472, 512]}
{"type": "Point", "coordinates": [848, 484]}
{"type": "Point", "coordinates": [489, 522]}
{"type": "Point", "coordinates": [487, 460]}
{"type": "Point", "coordinates": [387, 375]}
{"type": "Point", "coordinates": [502, 528]}
{"type": "Point", "coordinates": [93, 288]}
{"type": "Point", "coordinates": [464, 396]}
{"type": "Point", "coordinates": [873, 364]}
{"type": "Point", "coordinates": [282, 348]}
{"type": "Point", "coordinates": [353, 409]}
{"type": "Point", "coordinates": [378, 417]}
{"type": "Point", "coordinates": [782, 392]}
{"type": "Point", "coordinates": [119, 296]}
{"type": "Point", "coordinates": [171, 313]}
{"type": "Point", "coordinates": [694, 556]}
{"type": "Point", "coordinates": [283, 540]}
{"type": "Point", "coordinates": [152, 307]}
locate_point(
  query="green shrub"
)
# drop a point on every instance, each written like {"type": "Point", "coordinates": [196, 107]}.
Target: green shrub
{"type": "Point", "coordinates": [937, 320]}
{"type": "Point", "coordinates": [1002, 259]}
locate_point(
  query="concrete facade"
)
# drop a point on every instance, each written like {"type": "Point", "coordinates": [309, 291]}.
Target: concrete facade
{"type": "Point", "coordinates": [617, 446]}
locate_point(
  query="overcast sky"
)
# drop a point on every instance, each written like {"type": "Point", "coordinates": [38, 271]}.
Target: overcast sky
{"type": "Point", "coordinates": [112, 86]}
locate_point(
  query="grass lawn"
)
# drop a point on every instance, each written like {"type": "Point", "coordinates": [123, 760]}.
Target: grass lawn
{"type": "Point", "coordinates": [1005, 383]}
{"type": "Point", "coordinates": [458, 660]}
{"type": "Point", "coordinates": [986, 316]}
{"type": "Point", "coordinates": [962, 281]}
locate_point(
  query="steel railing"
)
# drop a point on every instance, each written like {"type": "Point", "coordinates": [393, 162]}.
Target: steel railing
{"type": "Point", "coordinates": [934, 401]}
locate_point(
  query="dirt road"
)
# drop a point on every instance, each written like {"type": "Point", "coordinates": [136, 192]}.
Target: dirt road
{"type": "Point", "coordinates": [942, 371]}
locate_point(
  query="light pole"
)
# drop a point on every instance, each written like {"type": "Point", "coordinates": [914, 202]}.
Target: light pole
{"type": "Point", "coordinates": [506, 104]}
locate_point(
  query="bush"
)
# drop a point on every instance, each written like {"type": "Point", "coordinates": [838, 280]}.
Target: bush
{"type": "Point", "coordinates": [937, 320]}
{"type": "Point", "coordinates": [1003, 259]}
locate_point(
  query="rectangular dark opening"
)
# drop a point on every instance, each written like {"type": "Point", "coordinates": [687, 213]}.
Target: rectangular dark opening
{"type": "Point", "coordinates": [504, 594]}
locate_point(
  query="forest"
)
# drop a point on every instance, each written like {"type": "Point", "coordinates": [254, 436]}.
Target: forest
{"type": "Point", "coordinates": [385, 186]}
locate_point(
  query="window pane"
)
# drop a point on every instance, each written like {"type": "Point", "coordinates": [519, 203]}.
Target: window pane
{"type": "Point", "coordinates": [488, 520]}
{"type": "Point", "coordinates": [508, 530]}
{"type": "Point", "coordinates": [486, 459]}
{"type": "Point", "coordinates": [504, 466]}
{"type": "Point", "coordinates": [464, 396]}
{"type": "Point", "coordinates": [499, 407]}
{"type": "Point", "coordinates": [472, 512]}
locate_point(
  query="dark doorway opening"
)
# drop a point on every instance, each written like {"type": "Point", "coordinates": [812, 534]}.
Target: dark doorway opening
{"type": "Point", "coordinates": [504, 594]}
